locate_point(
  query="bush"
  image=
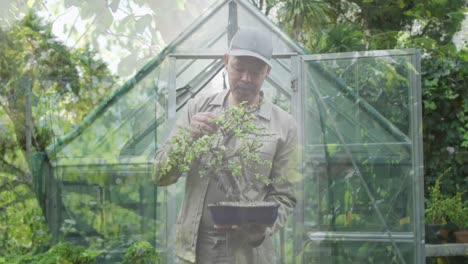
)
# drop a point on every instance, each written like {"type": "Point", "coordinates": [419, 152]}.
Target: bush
{"type": "Point", "coordinates": [141, 253]}
{"type": "Point", "coordinates": [63, 253]}
{"type": "Point", "coordinates": [441, 208]}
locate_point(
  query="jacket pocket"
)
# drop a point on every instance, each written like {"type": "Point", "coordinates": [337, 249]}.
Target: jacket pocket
{"type": "Point", "coordinates": [266, 154]}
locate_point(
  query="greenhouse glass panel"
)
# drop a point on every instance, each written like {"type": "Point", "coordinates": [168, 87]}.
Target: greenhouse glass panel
{"type": "Point", "coordinates": [362, 157]}
{"type": "Point", "coordinates": [207, 34]}
{"type": "Point", "coordinates": [99, 194]}
{"type": "Point", "coordinates": [124, 129]}
{"type": "Point", "coordinates": [248, 17]}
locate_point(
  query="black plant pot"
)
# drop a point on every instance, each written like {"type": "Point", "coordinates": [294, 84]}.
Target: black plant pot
{"type": "Point", "coordinates": [244, 213]}
{"type": "Point", "coordinates": [432, 233]}
{"type": "Point", "coordinates": [440, 233]}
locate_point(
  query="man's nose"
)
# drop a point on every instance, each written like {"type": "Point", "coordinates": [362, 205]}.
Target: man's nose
{"type": "Point", "coordinates": [246, 77]}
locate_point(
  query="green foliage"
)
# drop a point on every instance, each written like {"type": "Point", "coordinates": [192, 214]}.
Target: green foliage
{"type": "Point", "coordinates": [299, 17]}
{"type": "Point", "coordinates": [42, 82]}
{"type": "Point", "coordinates": [442, 208]}
{"type": "Point", "coordinates": [445, 126]}
{"type": "Point", "coordinates": [34, 65]}
{"type": "Point", "coordinates": [63, 253]}
{"type": "Point", "coordinates": [265, 5]}
{"type": "Point", "coordinates": [22, 226]}
{"type": "Point", "coordinates": [141, 253]}
{"type": "Point", "coordinates": [219, 154]}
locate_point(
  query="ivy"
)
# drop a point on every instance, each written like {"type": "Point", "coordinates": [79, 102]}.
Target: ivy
{"type": "Point", "coordinates": [445, 120]}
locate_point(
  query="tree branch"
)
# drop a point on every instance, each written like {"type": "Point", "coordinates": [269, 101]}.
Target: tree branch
{"type": "Point", "coordinates": [18, 199]}
{"type": "Point", "coordinates": [13, 183]}
{"type": "Point", "coordinates": [268, 7]}
{"type": "Point", "coordinates": [10, 168]}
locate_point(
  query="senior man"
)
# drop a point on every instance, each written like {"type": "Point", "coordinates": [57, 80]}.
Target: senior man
{"type": "Point", "coordinates": [197, 239]}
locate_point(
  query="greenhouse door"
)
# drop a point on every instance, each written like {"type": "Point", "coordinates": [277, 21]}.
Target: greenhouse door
{"type": "Point", "coordinates": [192, 75]}
{"type": "Point", "coordinates": [362, 158]}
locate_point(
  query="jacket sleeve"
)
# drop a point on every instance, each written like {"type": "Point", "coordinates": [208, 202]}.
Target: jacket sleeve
{"type": "Point", "coordinates": [285, 174]}
{"type": "Point", "coordinates": [160, 161]}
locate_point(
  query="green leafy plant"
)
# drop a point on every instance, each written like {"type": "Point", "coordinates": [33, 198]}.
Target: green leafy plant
{"type": "Point", "coordinates": [441, 208]}
{"type": "Point", "coordinates": [65, 253]}
{"type": "Point", "coordinates": [141, 253]}
{"type": "Point", "coordinates": [228, 154]}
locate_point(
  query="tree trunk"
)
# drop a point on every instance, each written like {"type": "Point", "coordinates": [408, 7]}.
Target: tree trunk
{"type": "Point", "coordinates": [28, 121]}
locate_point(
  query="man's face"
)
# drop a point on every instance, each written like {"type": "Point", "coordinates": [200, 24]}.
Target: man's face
{"type": "Point", "coordinates": [246, 76]}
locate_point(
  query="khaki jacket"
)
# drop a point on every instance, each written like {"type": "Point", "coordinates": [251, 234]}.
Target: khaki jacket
{"type": "Point", "coordinates": [280, 148]}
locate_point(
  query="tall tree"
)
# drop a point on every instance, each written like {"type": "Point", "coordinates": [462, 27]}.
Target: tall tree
{"type": "Point", "coordinates": [40, 80]}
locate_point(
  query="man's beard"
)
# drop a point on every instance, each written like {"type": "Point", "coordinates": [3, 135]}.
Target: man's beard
{"type": "Point", "coordinates": [245, 91]}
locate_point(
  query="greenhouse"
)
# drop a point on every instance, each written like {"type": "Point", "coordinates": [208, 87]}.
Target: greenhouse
{"type": "Point", "coordinates": [360, 197]}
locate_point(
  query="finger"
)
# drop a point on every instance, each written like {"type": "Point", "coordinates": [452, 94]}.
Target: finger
{"type": "Point", "coordinates": [258, 226]}
{"type": "Point", "coordinates": [227, 227]}
{"type": "Point", "coordinates": [205, 115]}
{"type": "Point", "coordinates": [206, 118]}
{"type": "Point", "coordinates": [256, 229]}
{"type": "Point", "coordinates": [196, 130]}
{"type": "Point", "coordinates": [208, 114]}
{"type": "Point", "coordinates": [223, 227]}
{"type": "Point", "coordinates": [203, 128]}
{"type": "Point", "coordinates": [208, 129]}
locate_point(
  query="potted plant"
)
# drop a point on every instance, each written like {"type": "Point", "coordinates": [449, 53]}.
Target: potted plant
{"type": "Point", "coordinates": [228, 155]}
{"type": "Point", "coordinates": [448, 213]}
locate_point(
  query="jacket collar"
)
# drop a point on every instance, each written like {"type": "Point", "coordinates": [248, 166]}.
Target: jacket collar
{"type": "Point", "coordinates": [265, 107]}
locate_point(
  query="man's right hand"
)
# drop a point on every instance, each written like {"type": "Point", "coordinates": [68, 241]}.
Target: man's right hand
{"type": "Point", "coordinates": [202, 124]}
